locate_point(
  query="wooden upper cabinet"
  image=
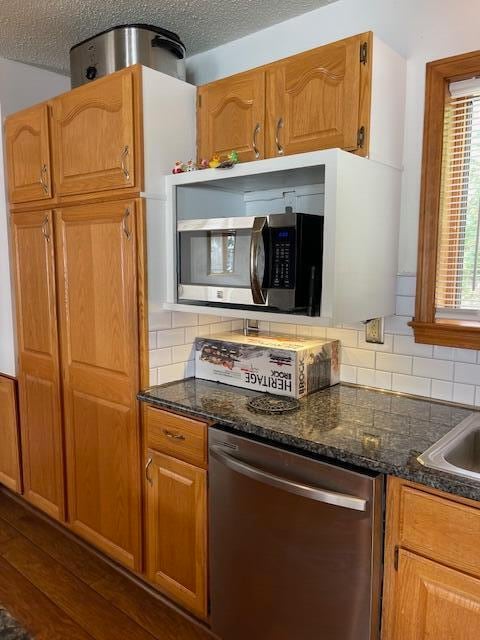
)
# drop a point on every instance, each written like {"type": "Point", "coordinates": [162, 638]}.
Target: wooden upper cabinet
{"type": "Point", "coordinates": [434, 601]}
{"type": "Point", "coordinates": [231, 115]}
{"type": "Point", "coordinates": [313, 100]}
{"type": "Point", "coordinates": [177, 530]}
{"type": "Point", "coordinates": [10, 474]}
{"type": "Point", "coordinates": [39, 377]}
{"type": "Point", "coordinates": [96, 251]}
{"type": "Point", "coordinates": [94, 136]}
{"type": "Point", "coordinates": [28, 155]}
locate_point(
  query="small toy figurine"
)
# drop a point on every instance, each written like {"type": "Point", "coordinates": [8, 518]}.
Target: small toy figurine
{"type": "Point", "coordinates": [203, 164]}
{"type": "Point", "coordinates": [179, 167]}
{"type": "Point", "coordinates": [232, 159]}
{"type": "Point", "coordinates": [190, 166]}
{"type": "Point", "coordinates": [214, 162]}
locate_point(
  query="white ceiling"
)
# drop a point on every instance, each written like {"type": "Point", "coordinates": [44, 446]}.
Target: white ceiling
{"type": "Point", "coordinates": [41, 32]}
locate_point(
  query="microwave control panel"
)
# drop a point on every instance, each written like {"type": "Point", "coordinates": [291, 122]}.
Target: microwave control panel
{"type": "Point", "coordinates": [283, 258]}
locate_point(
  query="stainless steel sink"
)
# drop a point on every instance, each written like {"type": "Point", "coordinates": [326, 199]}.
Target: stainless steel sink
{"type": "Point", "coordinates": [458, 451]}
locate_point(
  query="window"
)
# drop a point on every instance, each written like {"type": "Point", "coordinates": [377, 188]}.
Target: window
{"type": "Point", "coordinates": [448, 279]}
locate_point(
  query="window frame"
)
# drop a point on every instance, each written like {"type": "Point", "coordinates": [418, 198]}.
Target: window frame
{"type": "Point", "coordinates": [426, 327]}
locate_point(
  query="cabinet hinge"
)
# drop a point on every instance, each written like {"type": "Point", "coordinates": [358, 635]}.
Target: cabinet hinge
{"type": "Point", "coordinates": [395, 558]}
{"type": "Point", "coordinates": [361, 137]}
{"type": "Point", "coordinates": [363, 52]}
{"type": "Point", "coordinates": [199, 101]}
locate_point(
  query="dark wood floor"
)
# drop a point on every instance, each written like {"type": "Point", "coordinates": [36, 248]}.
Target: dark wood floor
{"type": "Point", "coordinates": [58, 589]}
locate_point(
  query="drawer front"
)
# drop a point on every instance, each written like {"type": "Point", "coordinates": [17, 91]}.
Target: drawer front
{"type": "Point", "coordinates": [440, 529]}
{"type": "Point", "coordinates": [177, 436]}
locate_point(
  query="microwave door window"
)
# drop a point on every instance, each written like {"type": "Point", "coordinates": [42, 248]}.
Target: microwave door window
{"type": "Point", "coordinates": [215, 258]}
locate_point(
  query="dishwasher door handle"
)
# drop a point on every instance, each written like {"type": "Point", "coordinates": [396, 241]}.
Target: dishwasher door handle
{"type": "Point", "coordinates": [306, 491]}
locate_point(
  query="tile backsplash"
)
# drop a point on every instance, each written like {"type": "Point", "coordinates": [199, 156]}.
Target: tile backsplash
{"type": "Point", "coordinates": [398, 365]}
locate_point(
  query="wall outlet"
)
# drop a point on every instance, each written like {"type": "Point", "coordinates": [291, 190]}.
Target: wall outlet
{"type": "Point", "coordinates": [374, 331]}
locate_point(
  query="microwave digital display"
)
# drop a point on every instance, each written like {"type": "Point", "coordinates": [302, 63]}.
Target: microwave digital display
{"type": "Point", "coordinates": [283, 258]}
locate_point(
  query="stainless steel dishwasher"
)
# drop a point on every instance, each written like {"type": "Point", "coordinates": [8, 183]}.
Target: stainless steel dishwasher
{"type": "Point", "coordinates": [295, 545]}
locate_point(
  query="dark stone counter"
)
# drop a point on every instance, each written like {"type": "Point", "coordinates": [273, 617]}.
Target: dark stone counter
{"type": "Point", "coordinates": [377, 430]}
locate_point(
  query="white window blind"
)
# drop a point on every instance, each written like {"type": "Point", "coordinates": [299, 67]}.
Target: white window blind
{"type": "Point", "coordinates": [458, 259]}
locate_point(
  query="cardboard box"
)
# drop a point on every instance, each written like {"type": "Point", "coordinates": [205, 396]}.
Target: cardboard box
{"type": "Point", "coordinates": [280, 365]}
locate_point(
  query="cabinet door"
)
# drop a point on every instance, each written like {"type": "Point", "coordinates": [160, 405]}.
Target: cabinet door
{"type": "Point", "coordinates": [28, 155]}
{"type": "Point", "coordinates": [435, 602]}
{"type": "Point", "coordinates": [177, 530]}
{"type": "Point", "coordinates": [313, 100]}
{"type": "Point", "coordinates": [39, 376]}
{"type": "Point", "coordinates": [231, 115]}
{"type": "Point", "coordinates": [93, 133]}
{"type": "Point", "coordinates": [96, 248]}
{"type": "Point", "coordinates": [9, 440]}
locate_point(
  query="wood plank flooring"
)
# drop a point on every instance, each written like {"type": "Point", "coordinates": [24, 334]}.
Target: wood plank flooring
{"type": "Point", "coordinates": [59, 590]}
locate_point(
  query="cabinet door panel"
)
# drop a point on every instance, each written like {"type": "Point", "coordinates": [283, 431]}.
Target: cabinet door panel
{"type": "Point", "coordinates": [99, 337]}
{"type": "Point", "coordinates": [435, 602]}
{"type": "Point", "coordinates": [93, 129]}
{"type": "Point", "coordinates": [231, 116]}
{"type": "Point", "coordinates": [28, 155]}
{"type": "Point", "coordinates": [9, 440]}
{"type": "Point", "coordinates": [39, 377]}
{"type": "Point", "coordinates": [176, 530]}
{"type": "Point", "coordinates": [313, 100]}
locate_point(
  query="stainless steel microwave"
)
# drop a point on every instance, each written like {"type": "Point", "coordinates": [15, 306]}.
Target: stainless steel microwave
{"type": "Point", "coordinates": [272, 261]}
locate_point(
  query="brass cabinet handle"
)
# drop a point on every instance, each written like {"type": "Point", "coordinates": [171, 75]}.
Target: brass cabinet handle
{"type": "Point", "coordinates": [256, 131]}
{"type": "Point", "coordinates": [147, 475]}
{"type": "Point", "coordinates": [277, 133]}
{"type": "Point", "coordinates": [172, 435]}
{"type": "Point", "coordinates": [43, 178]}
{"type": "Point", "coordinates": [123, 161]}
{"type": "Point", "coordinates": [46, 228]}
{"type": "Point", "coordinates": [126, 230]}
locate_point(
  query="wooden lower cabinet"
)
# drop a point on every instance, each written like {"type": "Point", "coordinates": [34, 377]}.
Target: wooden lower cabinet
{"type": "Point", "coordinates": [433, 601]}
{"type": "Point", "coordinates": [432, 572]}
{"type": "Point", "coordinates": [97, 284]}
{"type": "Point", "coordinates": [9, 438]}
{"type": "Point", "coordinates": [176, 531]}
{"type": "Point", "coordinates": [39, 369]}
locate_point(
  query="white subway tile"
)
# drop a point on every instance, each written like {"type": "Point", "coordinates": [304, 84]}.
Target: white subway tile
{"type": "Point", "coordinates": [152, 340]}
{"type": "Point", "coordinates": [221, 327]}
{"type": "Point", "coordinates": [442, 390]}
{"type": "Point", "coordinates": [405, 306]}
{"type": "Point", "coordinates": [374, 378]}
{"type": "Point", "coordinates": [177, 371]}
{"type": "Point", "coordinates": [303, 331]}
{"type": "Point", "coordinates": [432, 368]}
{"type": "Point", "coordinates": [170, 337]}
{"type": "Point", "coordinates": [398, 325]}
{"type": "Point", "coordinates": [206, 318]}
{"type": "Point", "coordinates": [411, 384]}
{"type": "Point", "coordinates": [319, 332]}
{"type": "Point", "coordinates": [477, 396]}
{"type": "Point", "coordinates": [160, 357]}
{"type": "Point", "coordinates": [237, 325]}
{"type": "Point", "coordinates": [407, 346]}
{"type": "Point", "coordinates": [348, 373]}
{"type": "Point", "coordinates": [386, 346]}
{"type": "Point", "coordinates": [192, 332]}
{"type": "Point", "coordinates": [356, 326]}
{"type": "Point", "coordinates": [406, 285]}
{"type": "Point", "coordinates": [283, 327]}
{"type": "Point", "coordinates": [467, 373]}
{"type": "Point", "coordinates": [152, 377]}
{"type": "Point", "coordinates": [348, 337]}
{"type": "Point", "coordinates": [463, 393]}
{"type": "Point", "coordinates": [444, 353]}
{"type": "Point", "coordinates": [264, 326]}
{"type": "Point", "coordinates": [181, 319]}
{"type": "Point", "coordinates": [465, 355]}
{"type": "Point", "coordinates": [183, 353]}
{"type": "Point", "coordinates": [393, 362]}
{"type": "Point", "coordinates": [358, 357]}
{"type": "Point", "coordinates": [160, 320]}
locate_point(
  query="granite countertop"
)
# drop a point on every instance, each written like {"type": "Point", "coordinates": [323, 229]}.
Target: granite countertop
{"type": "Point", "coordinates": [377, 430]}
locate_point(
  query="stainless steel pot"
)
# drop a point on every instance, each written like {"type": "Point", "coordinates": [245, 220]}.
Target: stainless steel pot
{"type": "Point", "coordinates": [124, 45]}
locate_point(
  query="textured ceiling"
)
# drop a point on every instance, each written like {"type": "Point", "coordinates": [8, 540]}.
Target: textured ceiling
{"type": "Point", "coordinates": [41, 32]}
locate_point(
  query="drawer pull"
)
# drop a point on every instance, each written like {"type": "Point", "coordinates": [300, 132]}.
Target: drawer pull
{"type": "Point", "coordinates": [147, 475]}
{"type": "Point", "coordinates": [123, 161]}
{"type": "Point", "coordinates": [280, 149]}
{"type": "Point", "coordinates": [44, 178]}
{"type": "Point", "coordinates": [172, 435]}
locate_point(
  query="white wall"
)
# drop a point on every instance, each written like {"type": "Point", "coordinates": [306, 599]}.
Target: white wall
{"type": "Point", "coordinates": [419, 30]}
{"type": "Point", "coordinates": [20, 86]}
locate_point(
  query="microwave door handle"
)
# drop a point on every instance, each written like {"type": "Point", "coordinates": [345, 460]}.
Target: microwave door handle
{"type": "Point", "coordinates": [259, 224]}
{"type": "Point", "coordinates": [311, 492]}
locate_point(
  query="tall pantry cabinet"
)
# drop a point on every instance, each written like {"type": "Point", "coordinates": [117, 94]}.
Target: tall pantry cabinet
{"type": "Point", "coordinates": [81, 175]}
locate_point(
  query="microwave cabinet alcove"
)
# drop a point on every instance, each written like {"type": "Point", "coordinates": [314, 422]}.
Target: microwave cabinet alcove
{"type": "Point", "coordinates": [357, 200]}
